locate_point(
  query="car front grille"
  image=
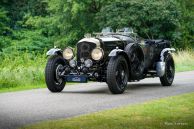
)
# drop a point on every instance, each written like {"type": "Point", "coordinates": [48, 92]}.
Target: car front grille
{"type": "Point", "coordinates": [84, 50]}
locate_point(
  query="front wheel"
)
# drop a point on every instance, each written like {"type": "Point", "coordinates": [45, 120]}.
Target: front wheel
{"type": "Point", "coordinates": [54, 67]}
{"type": "Point", "coordinates": [117, 74]}
{"type": "Point", "coordinates": [168, 77]}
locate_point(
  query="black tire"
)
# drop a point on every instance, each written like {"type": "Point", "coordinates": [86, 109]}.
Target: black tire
{"type": "Point", "coordinates": [168, 77]}
{"type": "Point", "coordinates": [53, 81]}
{"type": "Point", "coordinates": [136, 57]}
{"type": "Point", "coordinates": [117, 74]}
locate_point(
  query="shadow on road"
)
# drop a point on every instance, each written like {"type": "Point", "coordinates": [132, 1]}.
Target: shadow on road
{"type": "Point", "coordinates": [97, 90]}
{"type": "Point", "coordinates": [105, 90]}
{"type": "Point", "coordinates": [143, 85]}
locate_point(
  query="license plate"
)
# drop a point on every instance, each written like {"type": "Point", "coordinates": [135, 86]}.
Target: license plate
{"type": "Point", "coordinates": [76, 78]}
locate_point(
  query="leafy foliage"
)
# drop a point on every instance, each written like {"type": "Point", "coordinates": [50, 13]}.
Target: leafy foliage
{"type": "Point", "coordinates": [151, 18]}
{"type": "Point", "coordinates": [5, 29]}
{"type": "Point", "coordinates": [186, 37]}
{"type": "Point", "coordinates": [39, 24]}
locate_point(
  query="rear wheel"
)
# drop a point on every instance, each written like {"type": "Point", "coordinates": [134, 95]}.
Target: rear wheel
{"type": "Point", "coordinates": [117, 74]}
{"type": "Point", "coordinates": [54, 68]}
{"type": "Point", "coordinates": [168, 77]}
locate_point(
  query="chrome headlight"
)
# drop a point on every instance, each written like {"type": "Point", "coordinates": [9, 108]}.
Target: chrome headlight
{"type": "Point", "coordinates": [97, 54]}
{"type": "Point", "coordinates": [68, 53]}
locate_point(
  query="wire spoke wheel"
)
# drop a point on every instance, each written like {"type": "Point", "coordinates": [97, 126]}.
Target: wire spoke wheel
{"type": "Point", "coordinates": [59, 70]}
{"type": "Point", "coordinates": [121, 77]}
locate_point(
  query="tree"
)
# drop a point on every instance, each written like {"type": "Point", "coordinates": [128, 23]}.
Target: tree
{"type": "Point", "coordinates": [5, 29]}
{"type": "Point", "coordinates": [150, 18]}
{"type": "Point", "coordinates": [40, 24]}
{"type": "Point", "coordinates": [185, 38]}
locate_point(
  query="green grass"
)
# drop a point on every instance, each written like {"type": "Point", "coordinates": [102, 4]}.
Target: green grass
{"type": "Point", "coordinates": [28, 87]}
{"type": "Point", "coordinates": [21, 88]}
{"type": "Point", "coordinates": [184, 60]}
{"type": "Point", "coordinates": [22, 71]}
{"type": "Point", "coordinates": [169, 113]}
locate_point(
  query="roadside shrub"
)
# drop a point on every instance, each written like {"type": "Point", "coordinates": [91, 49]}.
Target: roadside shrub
{"type": "Point", "coordinates": [22, 69]}
{"type": "Point", "coordinates": [184, 60]}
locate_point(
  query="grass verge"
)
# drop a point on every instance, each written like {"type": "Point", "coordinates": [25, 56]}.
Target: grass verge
{"type": "Point", "coordinates": [169, 113]}
{"type": "Point", "coordinates": [28, 87]}
{"type": "Point", "coordinates": [22, 70]}
{"type": "Point", "coordinates": [184, 60]}
{"type": "Point", "coordinates": [21, 88]}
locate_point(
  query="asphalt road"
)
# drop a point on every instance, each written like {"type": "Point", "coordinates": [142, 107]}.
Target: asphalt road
{"type": "Point", "coordinates": [26, 107]}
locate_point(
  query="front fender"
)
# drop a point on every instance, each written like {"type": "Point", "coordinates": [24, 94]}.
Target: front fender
{"type": "Point", "coordinates": [115, 52]}
{"type": "Point", "coordinates": [54, 51]}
